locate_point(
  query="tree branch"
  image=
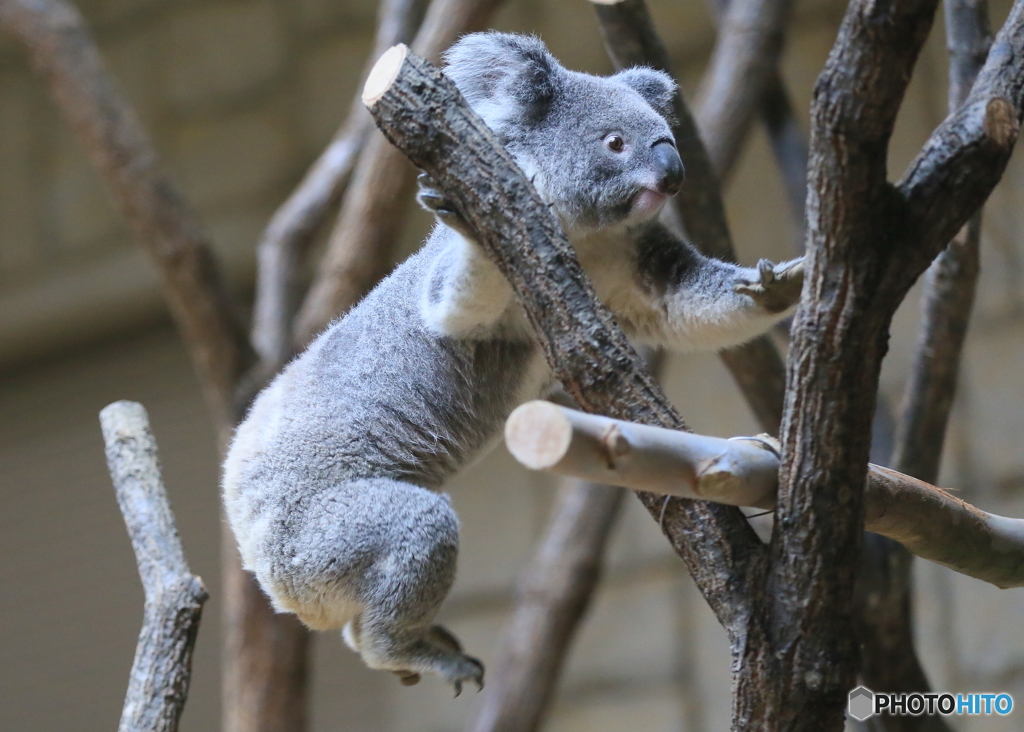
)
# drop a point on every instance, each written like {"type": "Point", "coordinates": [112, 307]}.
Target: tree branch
{"type": "Point", "coordinates": [362, 246]}
{"type": "Point", "coordinates": [160, 675]}
{"type": "Point", "coordinates": [553, 594]}
{"type": "Point", "coordinates": [744, 472]}
{"type": "Point", "coordinates": [424, 115]}
{"type": "Point", "coordinates": [890, 662]}
{"type": "Point", "coordinates": [741, 69]}
{"type": "Point", "coordinates": [631, 40]}
{"type": "Point", "coordinates": [283, 245]}
{"type": "Point", "coordinates": [63, 53]}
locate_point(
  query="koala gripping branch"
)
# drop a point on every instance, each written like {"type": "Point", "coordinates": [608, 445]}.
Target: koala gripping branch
{"type": "Point", "coordinates": [423, 114]}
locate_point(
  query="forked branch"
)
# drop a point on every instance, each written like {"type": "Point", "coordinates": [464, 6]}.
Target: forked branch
{"type": "Point", "coordinates": [158, 686]}
{"type": "Point", "coordinates": [291, 230]}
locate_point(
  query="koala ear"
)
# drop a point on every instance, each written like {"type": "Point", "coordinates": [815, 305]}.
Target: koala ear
{"type": "Point", "coordinates": [656, 87]}
{"type": "Point", "coordinates": [504, 75]}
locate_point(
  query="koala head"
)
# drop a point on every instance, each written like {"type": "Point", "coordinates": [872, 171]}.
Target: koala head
{"type": "Point", "coordinates": [598, 149]}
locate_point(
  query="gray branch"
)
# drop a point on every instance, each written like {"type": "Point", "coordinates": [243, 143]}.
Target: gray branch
{"type": "Point", "coordinates": [551, 599]}
{"type": "Point", "coordinates": [287, 238]}
{"type": "Point", "coordinates": [362, 245]}
{"type": "Point", "coordinates": [742, 67]}
{"type": "Point", "coordinates": [158, 686]}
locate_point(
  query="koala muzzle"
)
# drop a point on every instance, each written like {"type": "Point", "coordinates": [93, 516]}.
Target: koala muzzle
{"type": "Point", "coordinates": [669, 168]}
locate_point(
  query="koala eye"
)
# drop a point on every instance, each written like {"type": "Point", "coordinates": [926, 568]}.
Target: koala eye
{"type": "Point", "coordinates": [615, 143]}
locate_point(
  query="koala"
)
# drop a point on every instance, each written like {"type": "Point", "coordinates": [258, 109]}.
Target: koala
{"type": "Point", "coordinates": [332, 482]}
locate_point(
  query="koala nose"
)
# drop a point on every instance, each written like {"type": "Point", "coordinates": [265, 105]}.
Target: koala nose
{"type": "Point", "coordinates": [669, 167]}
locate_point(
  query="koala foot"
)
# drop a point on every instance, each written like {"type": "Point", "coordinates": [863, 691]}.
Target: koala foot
{"type": "Point", "coordinates": [450, 663]}
{"type": "Point", "coordinates": [432, 199]}
{"type": "Point", "coordinates": [778, 285]}
{"type": "Point", "coordinates": [466, 668]}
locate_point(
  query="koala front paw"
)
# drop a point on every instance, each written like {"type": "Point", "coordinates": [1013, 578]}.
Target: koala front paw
{"type": "Point", "coordinates": [778, 285]}
{"type": "Point", "coordinates": [432, 199]}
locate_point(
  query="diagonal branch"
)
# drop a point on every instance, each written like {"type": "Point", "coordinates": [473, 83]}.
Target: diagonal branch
{"type": "Point", "coordinates": [423, 113]}
{"type": "Point", "coordinates": [162, 669]}
{"type": "Point", "coordinates": [742, 67]}
{"type": "Point", "coordinates": [362, 246]}
{"type": "Point", "coordinates": [631, 40]}
{"type": "Point", "coordinates": [63, 53]}
{"type": "Point", "coordinates": [290, 232]}
{"type": "Point", "coordinates": [551, 599]}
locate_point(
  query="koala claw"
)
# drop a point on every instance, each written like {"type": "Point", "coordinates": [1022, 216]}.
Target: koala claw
{"type": "Point", "coordinates": [777, 287]}
{"type": "Point", "coordinates": [433, 200]}
{"type": "Point", "coordinates": [474, 674]}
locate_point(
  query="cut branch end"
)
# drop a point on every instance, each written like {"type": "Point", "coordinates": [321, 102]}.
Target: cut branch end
{"type": "Point", "coordinates": [538, 434]}
{"type": "Point", "coordinates": [384, 73]}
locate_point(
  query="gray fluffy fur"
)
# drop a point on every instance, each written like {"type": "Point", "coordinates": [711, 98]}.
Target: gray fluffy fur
{"type": "Point", "coordinates": [331, 483]}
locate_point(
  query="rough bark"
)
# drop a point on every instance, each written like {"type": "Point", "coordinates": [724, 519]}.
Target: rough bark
{"type": "Point", "coordinates": [631, 40]}
{"type": "Point", "coordinates": [868, 242]}
{"type": "Point", "coordinates": [160, 675]}
{"type": "Point", "coordinates": [552, 597]}
{"type": "Point", "coordinates": [424, 115]}
{"type": "Point", "coordinates": [64, 54]}
{"type": "Point", "coordinates": [890, 662]}
{"type": "Point", "coordinates": [361, 249]}
{"type": "Point", "coordinates": [284, 244]}
{"type": "Point", "coordinates": [743, 471]}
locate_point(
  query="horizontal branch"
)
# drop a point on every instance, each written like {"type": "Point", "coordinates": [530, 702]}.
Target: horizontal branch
{"type": "Point", "coordinates": [930, 522]}
{"type": "Point", "coordinates": [159, 681]}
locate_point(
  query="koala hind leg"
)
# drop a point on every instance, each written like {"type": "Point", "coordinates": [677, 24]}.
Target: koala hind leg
{"type": "Point", "coordinates": [403, 582]}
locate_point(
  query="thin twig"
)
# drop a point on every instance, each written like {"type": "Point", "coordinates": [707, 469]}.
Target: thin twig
{"type": "Point", "coordinates": [160, 675]}
{"type": "Point", "coordinates": [362, 246]}
{"type": "Point", "coordinates": [285, 241]}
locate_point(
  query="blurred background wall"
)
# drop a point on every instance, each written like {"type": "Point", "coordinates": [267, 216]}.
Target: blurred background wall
{"type": "Point", "coordinates": [240, 96]}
